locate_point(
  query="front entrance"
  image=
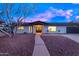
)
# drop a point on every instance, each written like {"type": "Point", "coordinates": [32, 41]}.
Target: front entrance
{"type": "Point", "coordinates": [38, 28]}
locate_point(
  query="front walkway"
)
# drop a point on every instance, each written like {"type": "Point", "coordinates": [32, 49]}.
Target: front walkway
{"type": "Point", "coordinates": [40, 48]}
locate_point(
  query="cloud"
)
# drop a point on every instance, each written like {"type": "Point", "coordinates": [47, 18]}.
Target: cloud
{"type": "Point", "coordinates": [49, 14]}
{"type": "Point", "coordinates": [77, 17]}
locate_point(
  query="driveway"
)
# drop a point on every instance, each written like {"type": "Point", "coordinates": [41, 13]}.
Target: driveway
{"type": "Point", "coordinates": [74, 37]}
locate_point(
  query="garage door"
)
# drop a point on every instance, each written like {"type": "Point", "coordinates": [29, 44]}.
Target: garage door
{"type": "Point", "coordinates": [72, 29]}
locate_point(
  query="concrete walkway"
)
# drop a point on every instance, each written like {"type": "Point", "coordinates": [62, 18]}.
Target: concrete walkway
{"type": "Point", "coordinates": [40, 48]}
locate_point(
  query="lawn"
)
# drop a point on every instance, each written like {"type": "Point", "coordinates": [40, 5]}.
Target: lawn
{"type": "Point", "coordinates": [61, 46]}
{"type": "Point", "coordinates": [21, 45]}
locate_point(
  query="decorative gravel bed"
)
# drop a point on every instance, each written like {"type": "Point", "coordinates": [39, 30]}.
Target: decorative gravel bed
{"type": "Point", "coordinates": [61, 46]}
{"type": "Point", "coordinates": [21, 45]}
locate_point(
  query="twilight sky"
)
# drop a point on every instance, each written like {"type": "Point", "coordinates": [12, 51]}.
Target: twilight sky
{"type": "Point", "coordinates": [47, 12]}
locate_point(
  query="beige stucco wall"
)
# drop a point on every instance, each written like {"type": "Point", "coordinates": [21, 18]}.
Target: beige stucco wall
{"type": "Point", "coordinates": [26, 30]}
{"type": "Point", "coordinates": [59, 29]}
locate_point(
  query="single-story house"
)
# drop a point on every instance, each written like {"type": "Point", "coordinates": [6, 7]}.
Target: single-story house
{"type": "Point", "coordinates": [43, 27]}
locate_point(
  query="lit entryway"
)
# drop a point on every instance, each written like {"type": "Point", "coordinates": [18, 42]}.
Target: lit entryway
{"type": "Point", "coordinates": [38, 29]}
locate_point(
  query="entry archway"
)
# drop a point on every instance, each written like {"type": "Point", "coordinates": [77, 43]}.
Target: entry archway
{"type": "Point", "coordinates": [38, 29]}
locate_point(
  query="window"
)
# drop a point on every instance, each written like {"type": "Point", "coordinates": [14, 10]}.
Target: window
{"type": "Point", "coordinates": [21, 27]}
{"type": "Point", "coordinates": [52, 29]}
{"type": "Point", "coordinates": [30, 28]}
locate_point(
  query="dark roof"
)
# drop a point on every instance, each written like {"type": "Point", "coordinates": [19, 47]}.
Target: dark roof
{"type": "Point", "coordinates": [54, 24]}
{"type": "Point", "coordinates": [39, 23]}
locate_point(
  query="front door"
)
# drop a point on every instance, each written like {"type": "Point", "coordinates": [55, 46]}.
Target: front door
{"type": "Point", "coordinates": [38, 28]}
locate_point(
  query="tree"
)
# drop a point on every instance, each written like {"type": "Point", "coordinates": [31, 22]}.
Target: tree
{"type": "Point", "coordinates": [6, 15]}
{"type": "Point", "coordinates": [9, 11]}
{"type": "Point", "coordinates": [25, 12]}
